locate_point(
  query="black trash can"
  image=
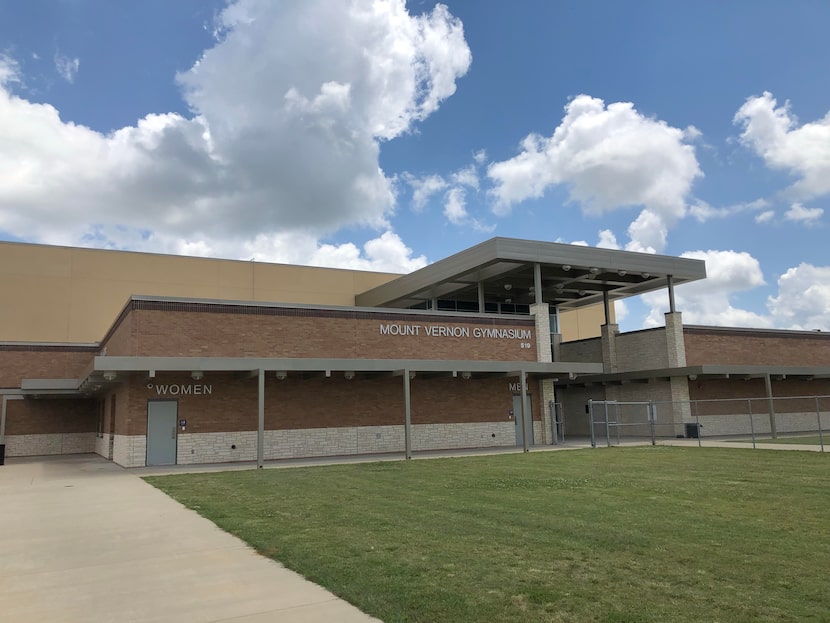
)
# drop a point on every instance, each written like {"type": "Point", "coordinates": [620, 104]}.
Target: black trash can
{"type": "Point", "coordinates": [692, 430]}
{"type": "Point", "coordinates": [2, 453]}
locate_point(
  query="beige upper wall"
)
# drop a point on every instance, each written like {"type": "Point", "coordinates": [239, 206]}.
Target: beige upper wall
{"type": "Point", "coordinates": [66, 294]}
{"type": "Point", "coordinates": [583, 323]}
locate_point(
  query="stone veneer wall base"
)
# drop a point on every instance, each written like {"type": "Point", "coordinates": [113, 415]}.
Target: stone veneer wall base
{"type": "Point", "coordinates": [46, 444]}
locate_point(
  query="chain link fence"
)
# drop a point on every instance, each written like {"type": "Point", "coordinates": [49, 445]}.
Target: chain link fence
{"type": "Point", "coordinates": [793, 419]}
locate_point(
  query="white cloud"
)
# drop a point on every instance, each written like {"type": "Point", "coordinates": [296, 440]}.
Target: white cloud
{"type": "Point", "coordinates": [710, 301]}
{"type": "Point", "coordinates": [9, 70]}
{"type": "Point", "coordinates": [703, 212]}
{"type": "Point", "coordinates": [290, 108]}
{"type": "Point", "coordinates": [607, 240]}
{"type": "Point", "coordinates": [455, 206]}
{"type": "Point", "coordinates": [765, 217]}
{"type": "Point", "coordinates": [803, 300]}
{"type": "Point", "coordinates": [799, 214]}
{"type": "Point", "coordinates": [480, 156]}
{"type": "Point", "coordinates": [609, 157]}
{"type": "Point", "coordinates": [772, 132]}
{"type": "Point", "coordinates": [67, 67]}
{"type": "Point", "coordinates": [424, 188]}
{"type": "Point", "coordinates": [621, 311]}
{"type": "Point", "coordinates": [467, 176]}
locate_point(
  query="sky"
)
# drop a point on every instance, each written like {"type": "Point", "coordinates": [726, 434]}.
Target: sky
{"type": "Point", "coordinates": [384, 135]}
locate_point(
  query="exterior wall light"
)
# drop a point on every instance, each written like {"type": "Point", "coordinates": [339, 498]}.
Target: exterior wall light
{"type": "Point", "coordinates": [466, 375]}
{"type": "Point", "coordinates": [109, 376]}
{"type": "Point", "coordinates": [594, 271]}
{"type": "Point", "coordinates": [508, 286]}
{"type": "Point", "coordinates": [566, 267]}
{"type": "Point", "coordinates": [281, 375]}
{"type": "Point", "coordinates": [197, 375]}
{"type": "Point", "coordinates": [349, 375]}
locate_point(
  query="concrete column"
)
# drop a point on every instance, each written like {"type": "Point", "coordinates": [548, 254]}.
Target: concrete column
{"type": "Point", "coordinates": [675, 344]}
{"type": "Point", "coordinates": [556, 346]}
{"type": "Point", "coordinates": [541, 316]}
{"type": "Point", "coordinates": [609, 334]}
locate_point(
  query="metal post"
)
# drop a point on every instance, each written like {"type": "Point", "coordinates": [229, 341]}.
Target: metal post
{"type": "Point", "coordinates": [697, 422]}
{"type": "Point", "coordinates": [522, 377]}
{"type": "Point", "coordinates": [555, 436]}
{"type": "Point", "coordinates": [3, 421]}
{"type": "Point", "coordinates": [407, 413]}
{"type": "Point", "coordinates": [818, 420]}
{"type": "Point", "coordinates": [480, 297]}
{"type": "Point", "coordinates": [617, 421]}
{"type": "Point", "coordinates": [670, 284]}
{"type": "Point", "coordinates": [591, 420]}
{"type": "Point", "coordinates": [751, 423]}
{"type": "Point", "coordinates": [651, 421]}
{"type": "Point", "coordinates": [260, 432]}
{"type": "Point", "coordinates": [773, 430]}
{"type": "Point", "coordinates": [607, 428]}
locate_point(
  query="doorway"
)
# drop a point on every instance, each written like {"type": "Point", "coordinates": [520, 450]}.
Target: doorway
{"type": "Point", "coordinates": [161, 432]}
{"type": "Point", "coordinates": [517, 419]}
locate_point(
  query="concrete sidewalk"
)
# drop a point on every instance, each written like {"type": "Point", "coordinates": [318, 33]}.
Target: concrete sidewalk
{"type": "Point", "coordinates": [82, 539]}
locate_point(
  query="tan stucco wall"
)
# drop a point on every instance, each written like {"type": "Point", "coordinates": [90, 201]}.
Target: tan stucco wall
{"type": "Point", "coordinates": [64, 294]}
{"type": "Point", "coordinates": [580, 324]}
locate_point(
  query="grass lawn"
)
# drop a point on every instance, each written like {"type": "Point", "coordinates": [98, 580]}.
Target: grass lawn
{"type": "Point", "coordinates": [619, 534]}
{"type": "Point", "coordinates": [811, 440]}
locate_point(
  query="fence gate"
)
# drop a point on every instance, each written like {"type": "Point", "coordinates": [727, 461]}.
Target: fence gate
{"type": "Point", "coordinates": [611, 419]}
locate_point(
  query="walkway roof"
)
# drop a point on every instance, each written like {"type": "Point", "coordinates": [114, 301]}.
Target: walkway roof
{"type": "Point", "coordinates": [572, 276]}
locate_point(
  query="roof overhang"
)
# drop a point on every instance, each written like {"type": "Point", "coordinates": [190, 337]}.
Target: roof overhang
{"type": "Point", "coordinates": [703, 372]}
{"type": "Point", "coordinates": [107, 371]}
{"type": "Point", "coordinates": [572, 276]}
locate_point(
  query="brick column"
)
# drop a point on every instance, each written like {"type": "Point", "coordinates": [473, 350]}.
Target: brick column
{"type": "Point", "coordinates": [675, 345]}
{"type": "Point", "coordinates": [541, 314]}
{"type": "Point", "coordinates": [676, 355]}
{"type": "Point", "coordinates": [609, 347]}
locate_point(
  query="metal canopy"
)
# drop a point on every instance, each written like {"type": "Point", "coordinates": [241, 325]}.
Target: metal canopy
{"type": "Point", "coordinates": [701, 372]}
{"type": "Point", "coordinates": [571, 276]}
{"type": "Point", "coordinates": [106, 372]}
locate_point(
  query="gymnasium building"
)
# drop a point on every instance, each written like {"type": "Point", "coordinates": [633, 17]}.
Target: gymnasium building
{"type": "Point", "coordinates": [151, 359]}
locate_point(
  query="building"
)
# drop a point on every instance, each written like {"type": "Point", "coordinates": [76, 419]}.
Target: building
{"type": "Point", "coordinates": [150, 359]}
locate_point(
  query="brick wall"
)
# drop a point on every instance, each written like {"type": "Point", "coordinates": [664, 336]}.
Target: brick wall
{"type": "Point", "coordinates": [332, 402]}
{"type": "Point", "coordinates": [29, 416]}
{"type": "Point", "coordinates": [713, 345]}
{"type": "Point", "coordinates": [583, 351]}
{"type": "Point", "coordinates": [225, 331]}
{"type": "Point", "coordinates": [19, 362]}
{"type": "Point", "coordinates": [639, 350]}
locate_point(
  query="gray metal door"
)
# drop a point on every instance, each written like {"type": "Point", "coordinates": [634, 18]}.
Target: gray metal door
{"type": "Point", "coordinates": [161, 432]}
{"type": "Point", "coordinates": [517, 419]}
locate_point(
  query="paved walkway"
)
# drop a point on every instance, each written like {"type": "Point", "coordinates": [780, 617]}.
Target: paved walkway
{"type": "Point", "coordinates": [82, 539]}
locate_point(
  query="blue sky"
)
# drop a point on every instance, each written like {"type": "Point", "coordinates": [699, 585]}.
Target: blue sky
{"type": "Point", "coordinates": [383, 136]}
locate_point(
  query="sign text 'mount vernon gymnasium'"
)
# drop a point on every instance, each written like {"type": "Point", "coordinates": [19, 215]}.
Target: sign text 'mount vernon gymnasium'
{"type": "Point", "coordinates": [455, 331]}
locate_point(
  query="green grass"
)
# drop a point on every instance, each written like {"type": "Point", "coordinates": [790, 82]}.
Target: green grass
{"type": "Point", "coordinates": [812, 440]}
{"type": "Point", "coordinates": [621, 534]}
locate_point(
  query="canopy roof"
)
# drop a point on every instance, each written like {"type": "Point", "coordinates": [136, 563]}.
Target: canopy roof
{"type": "Point", "coordinates": [571, 276]}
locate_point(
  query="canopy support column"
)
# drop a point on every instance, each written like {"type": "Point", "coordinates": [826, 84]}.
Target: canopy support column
{"type": "Point", "coordinates": [260, 432]}
{"type": "Point", "coordinates": [523, 386]}
{"type": "Point", "coordinates": [407, 426]}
